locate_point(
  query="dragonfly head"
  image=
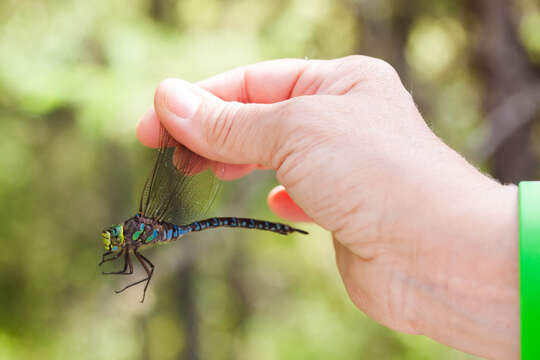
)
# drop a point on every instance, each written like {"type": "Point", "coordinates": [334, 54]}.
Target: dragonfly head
{"type": "Point", "coordinates": [113, 238]}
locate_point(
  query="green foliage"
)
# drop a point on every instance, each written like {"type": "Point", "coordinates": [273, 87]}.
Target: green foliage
{"type": "Point", "coordinates": [75, 76]}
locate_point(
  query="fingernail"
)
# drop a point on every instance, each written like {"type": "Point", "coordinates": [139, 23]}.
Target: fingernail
{"type": "Point", "coordinates": [180, 99]}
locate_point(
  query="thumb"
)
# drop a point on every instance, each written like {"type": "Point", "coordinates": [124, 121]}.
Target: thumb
{"type": "Point", "coordinates": [230, 132]}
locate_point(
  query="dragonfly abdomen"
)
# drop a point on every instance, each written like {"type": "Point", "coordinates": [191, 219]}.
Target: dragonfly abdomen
{"type": "Point", "coordinates": [244, 223]}
{"type": "Point", "coordinates": [146, 231]}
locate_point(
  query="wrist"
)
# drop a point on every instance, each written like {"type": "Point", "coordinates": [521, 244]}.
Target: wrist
{"type": "Point", "coordinates": [475, 282]}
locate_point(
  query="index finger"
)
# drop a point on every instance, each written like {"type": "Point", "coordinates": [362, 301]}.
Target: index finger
{"type": "Point", "coordinates": [264, 83]}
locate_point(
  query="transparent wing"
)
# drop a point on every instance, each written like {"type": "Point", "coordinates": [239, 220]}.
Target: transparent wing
{"type": "Point", "coordinates": [180, 188]}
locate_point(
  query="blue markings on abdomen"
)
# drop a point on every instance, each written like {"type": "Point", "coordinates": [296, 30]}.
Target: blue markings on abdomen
{"type": "Point", "coordinates": [234, 222]}
{"type": "Point", "coordinates": [153, 236]}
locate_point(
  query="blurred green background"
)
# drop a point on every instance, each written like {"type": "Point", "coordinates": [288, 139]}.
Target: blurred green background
{"type": "Point", "coordinates": [74, 78]}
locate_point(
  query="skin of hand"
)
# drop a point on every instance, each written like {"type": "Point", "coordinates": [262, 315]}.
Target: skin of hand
{"type": "Point", "coordinates": [424, 242]}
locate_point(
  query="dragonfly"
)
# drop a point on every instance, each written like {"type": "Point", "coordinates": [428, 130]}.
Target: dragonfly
{"type": "Point", "coordinates": [179, 189]}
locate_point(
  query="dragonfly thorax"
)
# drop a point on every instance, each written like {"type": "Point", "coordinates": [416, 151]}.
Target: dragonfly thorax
{"type": "Point", "coordinates": [142, 231]}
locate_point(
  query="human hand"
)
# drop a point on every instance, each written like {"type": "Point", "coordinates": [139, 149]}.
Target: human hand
{"type": "Point", "coordinates": [425, 243]}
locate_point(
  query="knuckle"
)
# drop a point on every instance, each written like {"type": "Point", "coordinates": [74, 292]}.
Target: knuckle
{"type": "Point", "coordinates": [369, 67]}
{"type": "Point", "coordinates": [383, 69]}
{"type": "Point", "coordinates": [356, 60]}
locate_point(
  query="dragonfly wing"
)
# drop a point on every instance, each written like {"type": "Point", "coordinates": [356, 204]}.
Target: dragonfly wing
{"type": "Point", "coordinates": [180, 187]}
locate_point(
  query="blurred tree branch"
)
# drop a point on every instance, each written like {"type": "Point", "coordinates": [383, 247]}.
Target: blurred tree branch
{"type": "Point", "coordinates": [164, 11]}
{"type": "Point", "coordinates": [184, 289]}
{"type": "Point", "coordinates": [513, 113]}
{"type": "Point", "coordinates": [383, 36]}
{"type": "Point", "coordinates": [511, 83]}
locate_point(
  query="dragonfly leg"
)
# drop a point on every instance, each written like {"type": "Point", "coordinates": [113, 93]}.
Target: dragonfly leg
{"type": "Point", "coordinates": [116, 256]}
{"type": "Point", "coordinates": [103, 257]}
{"type": "Point", "coordinates": [124, 271]}
{"type": "Point", "coordinates": [128, 259]}
{"type": "Point", "coordinates": [130, 285]}
{"type": "Point", "coordinates": [149, 273]}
